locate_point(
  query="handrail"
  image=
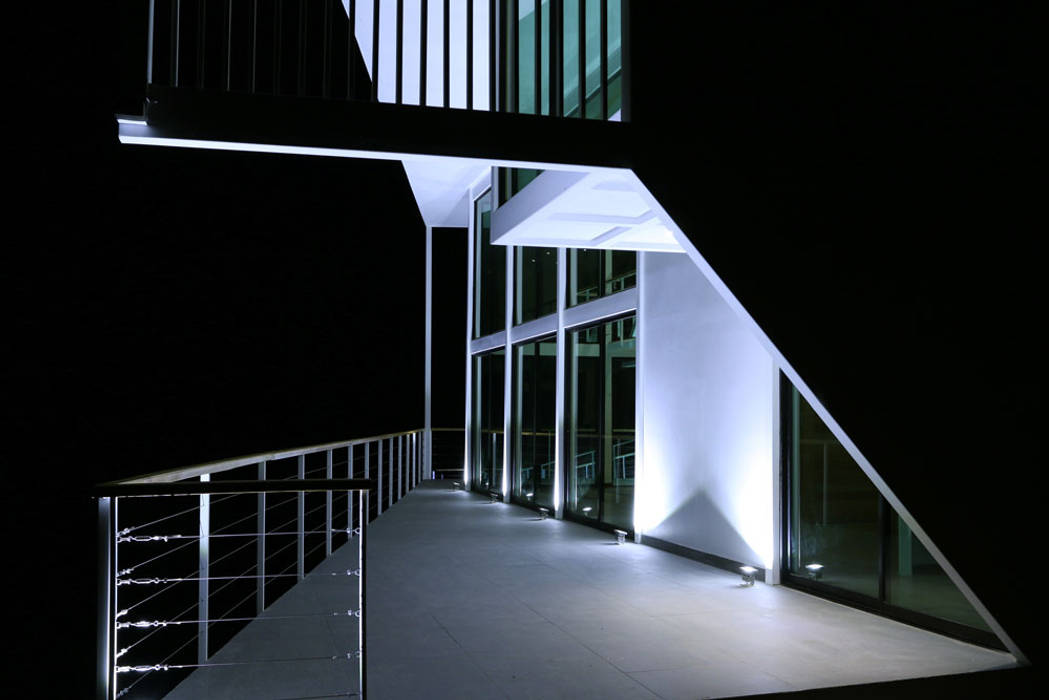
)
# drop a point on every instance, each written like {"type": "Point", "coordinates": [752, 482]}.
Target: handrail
{"type": "Point", "coordinates": [223, 465]}
{"type": "Point", "coordinates": [393, 464]}
{"type": "Point", "coordinates": [195, 488]}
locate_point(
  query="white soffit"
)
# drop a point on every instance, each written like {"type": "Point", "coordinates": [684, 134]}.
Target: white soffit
{"type": "Point", "coordinates": [601, 209]}
{"type": "Point", "coordinates": [441, 189]}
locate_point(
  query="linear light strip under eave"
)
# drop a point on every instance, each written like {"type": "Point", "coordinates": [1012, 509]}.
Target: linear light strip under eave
{"type": "Point", "coordinates": [850, 447]}
{"type": "Point", "coordinates": [138, 134]}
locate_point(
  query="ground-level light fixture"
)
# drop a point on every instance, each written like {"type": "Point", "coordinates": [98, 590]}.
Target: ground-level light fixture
{"type": "Point", "coordinates": [586, 510]}
{"type": "Point", "coordinates": [748, 575]}
{"type": "Point", "coordinates": [815, 570]}
{"type": "Point", "coordinates": [620, 536]}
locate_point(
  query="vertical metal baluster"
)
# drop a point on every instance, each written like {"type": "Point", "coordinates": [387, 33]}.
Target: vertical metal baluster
{"type": "Point", "coordinates": [469, 54]}
{"type": "Point", "coordinates": [202, 11]}
{"type": "Point", "coordinates": [375, 51]}
{"type": "Point", "coordinates": [260, 546]}
{"type": "Point", "coordinates": [228, 19]}
{"type": "Point", "coordinates": [202, 585]}
{"type": "Point", "coordinates": [582, 59]}
{"type": "Point", "coordinates": [349, 494]}
{"type": "Point", "coordinates": [379, 503]}
{"type": "Point", "coordinates": [301, 517]}
{"type": "Point", "coordinates": [367, 473]}
{"type": "Point", "coordinates": [557, 55]}
{"type": "Point", "coordinates": [399, 58]}
{"type": "Point", "coordinates": [351, 50]}
{"type": "Point", "coordinates": [400, 467]}
{"type": "Point", "coordinates": [254, 45]}
{"type": "Point", "coordinates": [326, 57]}
{"type": "Point", "coordinates": [176, 16]}
{"type": "Point", "coordinates": [303, 15]}
{"type": "Point", "coordinates": [447, 55]}
{"type": "Point", "coordinates": [538, 56]}
{"type": "Point", "coordinates": [362, 589]}
{"type": "Point", "coordinates": [515, 57]}
{"type": "Point", "coordinates": [327, 506]}
{"type": "Point", "coordinates": [423, 30]}
{"type": "Point", "coordinates": [604, 60]}
{"type": "Point", "coordinates": [491, 57]}
{"type": "Point", "coordinates": [105, 686]}
{"type": "Point", "coordinates": [624, 61]}
{"type": "Point", "coordinates": [389, 474]}
{"type": "Point", "coordinates": [149, 42]}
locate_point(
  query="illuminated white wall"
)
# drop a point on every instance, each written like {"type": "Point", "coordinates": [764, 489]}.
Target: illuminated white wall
{"type": "Point", "coordinates": [708, 418]}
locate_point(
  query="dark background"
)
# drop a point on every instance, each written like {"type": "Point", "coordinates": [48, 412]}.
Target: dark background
{"type": "Point", "coordinates": [865, 179]}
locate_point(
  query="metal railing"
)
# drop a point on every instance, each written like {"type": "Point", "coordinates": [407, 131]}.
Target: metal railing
{"type": "Point", "coordinates": [190, 557]}
{"type": "Point", "coordinates": [448, 453]}
{"type": "Point", "coordinates": [446, 53]}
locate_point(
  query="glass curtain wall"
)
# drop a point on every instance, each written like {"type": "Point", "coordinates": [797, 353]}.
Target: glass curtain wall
{"type": "Point", "coordinates": [844, 535]}
{"type": "Point", "coordinates": [596, 273]}
{"type": "Point", "coordinates": [600, 423]}
{"type": "Point", "coordinates": [489, 267]}
{"type": "Point", "coordinates": [535, 283]}
{"type": "Point", "coordinates": [534, 422]}
{"type": "Point", "coordinates": [537, 41]}
{"type": "Point", "coordinates": [487, 433]}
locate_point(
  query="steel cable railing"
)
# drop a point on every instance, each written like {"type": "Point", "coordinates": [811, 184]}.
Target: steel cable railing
{"type": "Point", "coordinates": [154, 612]}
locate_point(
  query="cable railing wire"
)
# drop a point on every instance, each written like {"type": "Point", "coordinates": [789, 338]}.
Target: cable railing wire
{"type": "Point", "coordinates": [394, 468]}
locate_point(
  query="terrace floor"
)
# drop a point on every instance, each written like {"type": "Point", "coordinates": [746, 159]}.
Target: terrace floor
{"type": "Point", "coordinates": [469, 599]}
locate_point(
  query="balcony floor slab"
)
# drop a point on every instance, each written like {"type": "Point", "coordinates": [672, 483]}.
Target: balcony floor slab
{"type": "Point", "coordinates": [471, 599]}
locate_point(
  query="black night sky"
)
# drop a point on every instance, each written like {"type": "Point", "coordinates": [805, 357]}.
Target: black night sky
{"type": "Point", "coordinates": [878, 167]}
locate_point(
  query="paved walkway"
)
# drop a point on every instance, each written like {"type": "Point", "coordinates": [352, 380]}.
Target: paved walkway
{"type": "Point", "coordinates": [468, 599]}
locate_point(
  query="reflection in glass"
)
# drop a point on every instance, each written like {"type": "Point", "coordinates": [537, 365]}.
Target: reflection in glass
{"type": "Point", "coordinates": [835, 508]}
{"type": "Point", "coordinates": [535, 377]}
{"type": "Point", "coordinates": [513, 180]}
{"type": "Point", "coordinates": [596, 273]}
{"type": "Point", "coordinates": [487, 433]}
{"type": "Point", "coordinates": [489, 273]}
{"type": "Point", "coordinates": [600, 423]}
{"type": "Point", "coordinates": [536, 283]}
{"type": "Point", "coordinates": [915, 581]}
{"type": "Point", "coordinates": [840, 526]}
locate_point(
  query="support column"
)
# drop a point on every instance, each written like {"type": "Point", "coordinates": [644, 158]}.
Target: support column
{"type": "Point", "coordinates": [559, 384]}
{"type": "Point", "coordinates": [202, 584]}
{"type": "Point", "coordinates": [428, 371]}
{"type": "Point", "coordinates": [301, 518]}
{"type": "Point", "coordinates": [107, 604]}
{"type": "Point", "coordinates": [327, 506]}
{"type": "Point", "coordinates": [260, 545]}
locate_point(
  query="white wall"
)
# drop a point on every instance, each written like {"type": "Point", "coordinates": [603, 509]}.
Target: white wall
{"type": "Point", "coordinates": [708, 418]}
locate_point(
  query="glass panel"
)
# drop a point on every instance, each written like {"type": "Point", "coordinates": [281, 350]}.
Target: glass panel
{"type": "Point", "coordinates": [570, 75]}
{"type": "Point", "coordinates": [593, 59]}
{"type": "Point", "coordinates": [487, 390]}
{"type": "Point", "coordinates": [597, 273]}
{"type": "Point", "coordinates": [835, 519]}
{"type": "Point", "coordinates": [536, 283]}
{"type": "Point", "coordinates": [489, 273]}
{"type": "Point", "coordinates": [544, 55]}
{"type": "Point", "coordinates": [513, 180]}
{"type": "Point", "coordinates": [915, 581]}
{"type": "Point", "coordinates": [615, 55]}
{"type": "Point", "coordinates": [526, 57]}
{"type": "Point", "coordinates": [534, 422]}
{"type": "Point", "coordinates": [600, 420]}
